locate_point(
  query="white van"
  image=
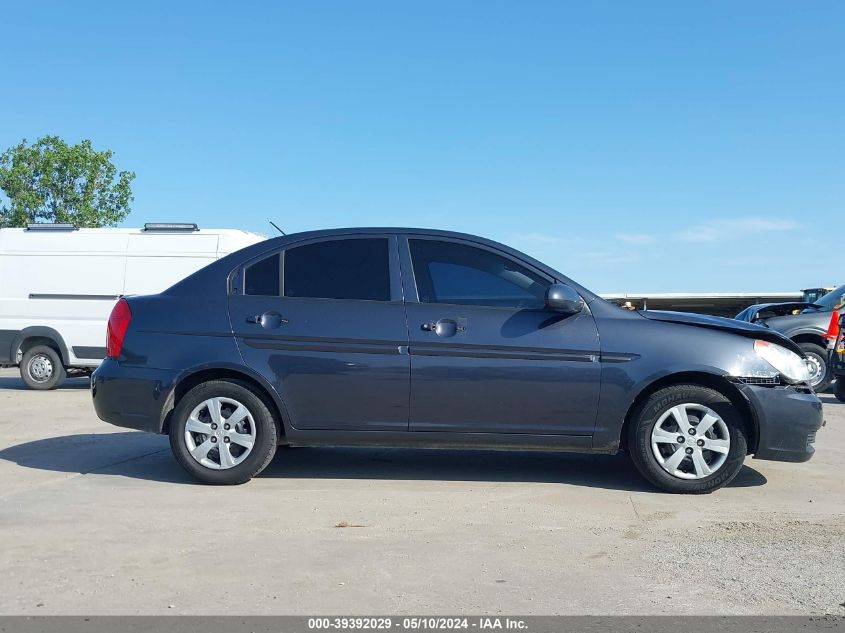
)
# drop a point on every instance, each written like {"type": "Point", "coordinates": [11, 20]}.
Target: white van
{"type": "Point", "coordinates": [58, 285]}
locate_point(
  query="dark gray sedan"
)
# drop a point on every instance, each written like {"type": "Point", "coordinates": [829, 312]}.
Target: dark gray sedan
{"type": "Point", "coordinates": [407, 337]}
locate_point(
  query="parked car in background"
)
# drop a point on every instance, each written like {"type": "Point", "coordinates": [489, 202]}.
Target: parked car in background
{"type": "Point", "coordinates": [806, 325]}
{"type": "Point", "coordinates": [408, 337]}
{"type": "Point", "coordinates": [58, 285]}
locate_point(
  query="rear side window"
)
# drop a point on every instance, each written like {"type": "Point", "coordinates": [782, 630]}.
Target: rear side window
{"type": "Point", "coordinates": [262, 277]}
{"type": "Point", "coordinates": [339, 269]}
{"type": "Point", "coordinates": [447, 272]}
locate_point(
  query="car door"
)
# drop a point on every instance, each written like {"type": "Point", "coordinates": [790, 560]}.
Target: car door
{"type": "Point", "coordinates": [323, 321]}
{"type": "Point", "coordinates": [486, 356]}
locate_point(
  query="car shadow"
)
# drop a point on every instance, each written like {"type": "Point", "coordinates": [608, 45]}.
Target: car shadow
{"type": "Point", "coordinates": [829, 399]}
{"type": "Point", "coordinates": [129, 454]}
{"type": "Point", "coordinates": [145, 456]}
{"type": "Point", "coordinates": [15, 383]}
{"type": "Point", "coordinates": [613, 472]}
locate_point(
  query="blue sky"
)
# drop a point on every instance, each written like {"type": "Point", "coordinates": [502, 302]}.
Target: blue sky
{"type": "Point", "coordinates": [636, 146]}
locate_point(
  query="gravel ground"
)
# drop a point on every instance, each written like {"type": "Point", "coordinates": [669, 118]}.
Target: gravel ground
{"type": "Point", "coordinates": [776, 560]}
{"type": "Point", "coordinates": [98, 520]}
{"type": "Point", "coordinates": [766, 565]}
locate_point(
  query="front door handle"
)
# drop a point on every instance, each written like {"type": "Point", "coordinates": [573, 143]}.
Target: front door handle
{"type": "Point", "coordinates": [268, 320]}
{"type": "Point", "coordinates": [445, 327]}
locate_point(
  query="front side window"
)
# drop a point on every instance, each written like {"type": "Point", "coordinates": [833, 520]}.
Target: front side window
{"type": "Point", "coordinates": [447, 272]}
{"type": "Point", "coordinates": [339, 269]}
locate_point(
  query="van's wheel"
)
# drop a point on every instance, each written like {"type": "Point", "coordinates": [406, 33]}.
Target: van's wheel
{"type": "Point", "coordinates": [41, 368]}
{"type": "Point", "coordinates": [221, 432]}
{"type": "Point", "coordinates": [820, 372]}
{"type": "Point", "coordinates": [840, 389]}
{"type": "Point", "coordinates": [687, 439]}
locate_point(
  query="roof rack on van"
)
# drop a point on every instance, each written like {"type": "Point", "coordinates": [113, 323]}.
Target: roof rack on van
{"type": "Point", "coordinates": [171, 227]}
{"type": "Point", "coordinates": [50, 226]}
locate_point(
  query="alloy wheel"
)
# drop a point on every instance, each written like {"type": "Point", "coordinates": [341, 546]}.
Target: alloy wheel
{"type": "Point", "coordinates": [690, 441]}
{"type": "Point", "coordinates": [220, 433]}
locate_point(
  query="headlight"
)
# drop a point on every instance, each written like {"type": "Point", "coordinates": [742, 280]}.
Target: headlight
{"type": "Point", "coordinates": [770, 362]}
{"type": "Point", "coordinates": [789, 364]}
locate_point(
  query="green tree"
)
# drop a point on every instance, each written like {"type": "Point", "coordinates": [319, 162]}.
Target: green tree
{"type": "Point", "coordinates": [51, 181]}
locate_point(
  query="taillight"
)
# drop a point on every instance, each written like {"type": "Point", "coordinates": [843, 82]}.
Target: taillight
{"type": "Point", "coordinates": [833, 328]}
{"type": "Point", "coordinates": [118, 324]}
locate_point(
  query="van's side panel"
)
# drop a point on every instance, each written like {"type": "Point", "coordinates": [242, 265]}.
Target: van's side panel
{"type": "Point", "coordinates": [68, 281]}
{"type": "Point", "coordinates": [156, 262]}
{"type": "Point", "coordinates": [65, 282]}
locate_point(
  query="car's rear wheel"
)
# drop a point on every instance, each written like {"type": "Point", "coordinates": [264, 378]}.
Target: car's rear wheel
{"type": "Point", "coordinates": [41, 368]}
{"type": "Point", "coordinates": [687, 439]}
{"type": "Point", "coordinates": [817, 362]}
{"type": "Point", "coordinates": [222, 432]}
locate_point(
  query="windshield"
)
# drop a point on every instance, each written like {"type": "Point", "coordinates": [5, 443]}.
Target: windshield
{"type": "Point", "coordinates": [832, 299]}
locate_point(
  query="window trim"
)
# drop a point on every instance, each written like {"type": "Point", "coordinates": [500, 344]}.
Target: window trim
{"type": "Point", "coordinates": [409, 279]}
{"type": "Point", "coordinates": [236, 285]}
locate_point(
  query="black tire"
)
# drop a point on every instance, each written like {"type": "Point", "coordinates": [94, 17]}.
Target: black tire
{"type": "Point", "coordinates": [255, 461]}
{"type": "Point", "coordinates": [41, 368]}
{"type": "Point", "coordinates": [649, 413]}
{"type": "Point", "coordinates": [840, 389]}
{"type": "Point", "coordinates": [819, 354]}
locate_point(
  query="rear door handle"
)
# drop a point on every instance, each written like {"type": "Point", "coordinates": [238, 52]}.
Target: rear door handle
{"type": "Point", "coordinates": [268, 320]}
{"type": "Point", "coordinates": [445, 327]}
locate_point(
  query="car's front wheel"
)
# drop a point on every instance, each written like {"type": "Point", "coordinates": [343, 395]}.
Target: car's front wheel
{"type": "Point", "coordinates": [840, 389]}
{"type": "Point", "coordinates": [221, 432]}
{"type": "Point", "coordinates": [687, 439]}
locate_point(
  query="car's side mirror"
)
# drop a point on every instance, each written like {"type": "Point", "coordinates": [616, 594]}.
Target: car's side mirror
{"type": "Point", "coordinates": [561, 298]}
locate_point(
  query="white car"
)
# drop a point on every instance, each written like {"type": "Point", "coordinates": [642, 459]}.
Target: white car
{"type": "Point", "coordinates": [58, 285]}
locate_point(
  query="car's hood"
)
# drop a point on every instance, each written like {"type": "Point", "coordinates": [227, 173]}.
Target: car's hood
{"type": "Point", "coordinates": [742, 328]}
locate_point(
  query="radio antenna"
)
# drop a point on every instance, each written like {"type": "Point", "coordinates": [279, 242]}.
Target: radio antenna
{"type": "Point", "coordinates": [276, 226]}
